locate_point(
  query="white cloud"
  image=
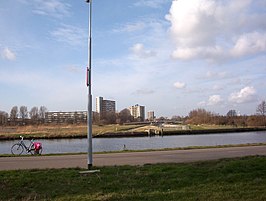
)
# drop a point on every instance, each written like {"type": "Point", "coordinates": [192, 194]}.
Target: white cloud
{"type": "Point", "coordinates": [131, 27]}
{"type": "Point", "coordinates": [248, 44]}
{"type": "Point", "coordinates": [8, 54]}
{"type": "Point", "coordinates": [247, 94]}
{"type": "Point", "coordinates": [53, 8]}
{"type": "Point", "coordinates": [179, 85]}
{"type": "Point", "coordinates": [216, 30]}
{"type": "Point", "coordinates": [214, 100]}
{"type": "Point", "coordinates": [144, 28]}
{"type": "Point", "coordinates": [71, 35]}
{"type": "Point", "coordinates": [140, 52]}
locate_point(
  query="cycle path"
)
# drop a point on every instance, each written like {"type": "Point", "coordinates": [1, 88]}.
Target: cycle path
{"type": "Point", "coordinates": [128, 158]}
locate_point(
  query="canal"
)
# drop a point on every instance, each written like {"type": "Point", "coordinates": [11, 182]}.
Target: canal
{"type": "Point", "coordinates": [142, 143]}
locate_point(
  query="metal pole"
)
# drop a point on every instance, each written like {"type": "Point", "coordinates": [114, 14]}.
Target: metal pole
{"type": "Point", "coordinates": [89, 114]}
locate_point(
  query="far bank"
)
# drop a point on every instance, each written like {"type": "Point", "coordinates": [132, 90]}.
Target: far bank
{"type": "Point", "coordinates": [109, 131]}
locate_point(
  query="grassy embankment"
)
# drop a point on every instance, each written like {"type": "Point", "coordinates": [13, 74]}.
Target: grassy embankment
{"type": "Point", "coordinates": [70, 131]}
{"type": "Point", "coordinates": [56, 131]}
{"type": "Point", "coordinates": [227, 179]}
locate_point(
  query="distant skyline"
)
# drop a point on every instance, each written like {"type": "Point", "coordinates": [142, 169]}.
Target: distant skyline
{"type": "Point", "coordinates": [171, 56]}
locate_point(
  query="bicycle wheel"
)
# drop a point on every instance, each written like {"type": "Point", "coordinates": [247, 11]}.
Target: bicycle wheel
{"type": "Point", "coordinates": [38, 152]}
{"type": "Point", "coordinates": [17, 149]}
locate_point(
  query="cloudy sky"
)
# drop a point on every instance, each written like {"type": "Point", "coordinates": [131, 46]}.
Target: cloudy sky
{"type": "Point", "coordinates": [172, 56]}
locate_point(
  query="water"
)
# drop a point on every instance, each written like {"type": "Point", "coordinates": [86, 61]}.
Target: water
{"type": "Point", "coordinates": [142, 143]}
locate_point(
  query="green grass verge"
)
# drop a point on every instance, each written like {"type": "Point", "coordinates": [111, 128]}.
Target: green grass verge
{"type": "Point", "coordinates": [227, 179]}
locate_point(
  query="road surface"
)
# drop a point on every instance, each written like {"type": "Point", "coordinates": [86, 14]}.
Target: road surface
{"type": "Point", "coordinates": [128, 158]}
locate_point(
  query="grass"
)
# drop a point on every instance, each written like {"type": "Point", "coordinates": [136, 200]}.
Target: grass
{"type": "Point", "coordinates": [213, 126]}
{"type": "Point", "coordinates": [227, 179]}
{"type": "Point", "coordinates": [49, 131]}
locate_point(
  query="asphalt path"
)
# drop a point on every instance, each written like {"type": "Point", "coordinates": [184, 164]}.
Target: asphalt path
{"type": "Point", "coordinates": [128, 158]}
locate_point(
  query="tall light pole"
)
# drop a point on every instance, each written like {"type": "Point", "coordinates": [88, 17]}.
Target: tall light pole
{"type": "Point", "coordinates": [89, 113]}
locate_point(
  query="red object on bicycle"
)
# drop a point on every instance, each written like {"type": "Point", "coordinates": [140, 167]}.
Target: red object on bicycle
{"type": "Point", "coordinates": [37, 146]}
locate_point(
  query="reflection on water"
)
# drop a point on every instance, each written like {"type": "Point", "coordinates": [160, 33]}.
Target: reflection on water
{"type": "Point", "coordinates": [142, 143]}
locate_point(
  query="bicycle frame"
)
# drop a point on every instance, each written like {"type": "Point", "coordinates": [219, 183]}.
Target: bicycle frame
{"type": "Point", "coordinates": [28, 149]}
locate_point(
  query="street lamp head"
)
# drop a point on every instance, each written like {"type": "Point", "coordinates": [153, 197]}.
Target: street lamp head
{"type": "Point", "coordinates": [88, 1]}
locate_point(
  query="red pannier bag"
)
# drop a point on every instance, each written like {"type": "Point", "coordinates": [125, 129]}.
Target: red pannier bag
{"type": "Point", "coordinates": [37, 147]}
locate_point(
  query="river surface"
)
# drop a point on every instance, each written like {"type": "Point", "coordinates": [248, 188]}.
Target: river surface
{"type": "Point", "coordinates": [142, 143]}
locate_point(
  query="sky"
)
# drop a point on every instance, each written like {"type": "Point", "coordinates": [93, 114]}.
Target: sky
{"type": "Point", "coordinates": [171, 56]}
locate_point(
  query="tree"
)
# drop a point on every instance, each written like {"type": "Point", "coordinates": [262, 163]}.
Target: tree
{"type": "Point", "coordinates": [34, 113]}
{"type": "Point", "coordinates": [3, 117]}
{"type": "Point", "coordinates": [261, 109]}
{"type": "Point", "coordinates": [95, 118]}
{"type": "Point", "coordinates": [42, 112]}
{"type": "Point", "coordinates": [124, 116]}
{"type": "Point", "coordinates": [110, 117]}
{"type": "Point", "coordinates": [14, 114]}
{"type": "Point", "coordinates": [23, 111]}
{"type": "Point", "coordinates": [231, 113]}
{"type": "Point", "coordinates": [200, 116]}
{"type": "Point", "coordinates": [256, 120]}
{"type": "Point", "coordinates": [176, 118]}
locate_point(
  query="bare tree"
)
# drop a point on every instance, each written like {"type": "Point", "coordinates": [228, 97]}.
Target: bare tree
{"type": "Point", "coordinates": [95, 117]}
{"type": "Point", "coordinates": [23, 111]}
{"type": "Point", "coordinates": [3, 117]}
{"type": "Point", "coordinates": [14, 113]}
{"type": "Point", "coordinates": [231, 113]}
{"type": "Point", "coordinates": [42, 112]}
{"type": "Point", "coordinates": [261, 109]}
{"type": "Point", "coordinates": [200, 116]}
{"type": "Point", "coordinates": [110, 117]}
{"type": "Point", "coordinates": [34, 113]}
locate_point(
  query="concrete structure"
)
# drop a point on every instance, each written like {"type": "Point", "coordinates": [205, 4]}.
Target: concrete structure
{"type": "Point", "coordinates": [138, 112]}
{"type": "Point", "coordinates": [104, 106]}
{"type": "Point", "coordinates": [151, 116]}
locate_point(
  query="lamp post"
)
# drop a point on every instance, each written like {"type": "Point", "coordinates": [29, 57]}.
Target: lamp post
{"type": "Point", "coordinates": [89, 112]}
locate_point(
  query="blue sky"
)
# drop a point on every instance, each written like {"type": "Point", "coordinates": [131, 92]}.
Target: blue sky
{"type": "Point", "coordinates": [172, 56]}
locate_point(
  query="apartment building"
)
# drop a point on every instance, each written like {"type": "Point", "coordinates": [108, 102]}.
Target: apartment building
{"type": "Point", "coordinates": [66, 117]}
{"type": "Point", "coordinates": [104, 106]}
{"type": "Point", "coordinates": [151, 116]}
{"type": "Point", "coordinates": [138, 112]}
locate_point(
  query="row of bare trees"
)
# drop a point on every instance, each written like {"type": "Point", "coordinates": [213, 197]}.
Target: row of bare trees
{"type": "Point", "coordinates": [201, 116]}
{"type": "Point", "coordinates": [21, 115]}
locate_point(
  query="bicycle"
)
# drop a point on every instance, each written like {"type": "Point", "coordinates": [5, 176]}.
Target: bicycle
{"type": "Point", "coordinates": [35, 148]}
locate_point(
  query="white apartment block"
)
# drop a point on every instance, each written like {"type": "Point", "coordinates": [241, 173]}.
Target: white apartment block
{"type": "Point", "coordinates": [138, 112]}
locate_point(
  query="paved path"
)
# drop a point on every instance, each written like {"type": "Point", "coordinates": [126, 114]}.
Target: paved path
{"type": "Point", "coordinates": [130, 158]}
